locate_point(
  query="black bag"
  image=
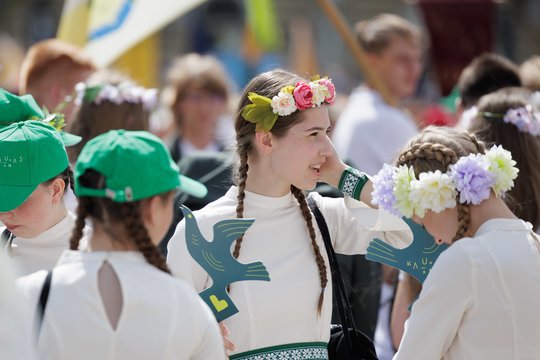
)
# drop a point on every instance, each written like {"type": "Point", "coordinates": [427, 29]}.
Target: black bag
{"type": "Point", "coordinates": [352, 343]}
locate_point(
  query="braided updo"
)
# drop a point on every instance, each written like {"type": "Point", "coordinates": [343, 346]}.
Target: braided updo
{"type": "Point", "coordinates": [436, 148]}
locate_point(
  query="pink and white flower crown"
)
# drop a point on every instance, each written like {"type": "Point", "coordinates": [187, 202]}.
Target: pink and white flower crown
{"type": "Point", "coordinates": [264, 111]}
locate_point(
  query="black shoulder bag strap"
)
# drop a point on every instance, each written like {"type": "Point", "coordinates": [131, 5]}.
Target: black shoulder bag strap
{"type": "Point", "coordinates": [6, 238]}
{"type": "Point", "coordinates": [344, 307]}
{"type": "Point", "coordinates": [42, 304]}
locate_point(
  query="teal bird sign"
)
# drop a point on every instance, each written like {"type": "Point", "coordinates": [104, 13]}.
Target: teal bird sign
{"type": "Point", "coordinates": [416, 259]}
{"type": "Point", "coordinates": [216, 259]}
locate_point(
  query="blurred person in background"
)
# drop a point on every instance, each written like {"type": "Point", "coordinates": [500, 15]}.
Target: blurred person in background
{"type": "Point", "coordinates": [197, 93]}
{"type": "Point", "coordinates": [368, 134]}
{"type": "Point", "coordinates": [505, 118]}
{"type": "Point", "coordinates": [49, 72]}
{"type": "Point", "coordinates": [530, 73]}
{"type": "Point", "coordinates": [109, 100]}
{"type": "Point", "coordinates": [11, 57]}
{"type": "Point", "coordinates": [486, 73]}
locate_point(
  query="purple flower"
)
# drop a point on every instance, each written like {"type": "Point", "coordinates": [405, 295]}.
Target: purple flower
{"type": "Point", "coordinates": [472, 179]}
{"type": "Point", "coordinates": [383, 190]}
{"type": "Point", "coordinates": [523, 119]}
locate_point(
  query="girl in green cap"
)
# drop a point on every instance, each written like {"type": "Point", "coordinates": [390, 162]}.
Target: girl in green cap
{"type": "Point", "coordinates": [121, 291]}
{"type": "Point", "coordinates": [284, 149]}
{"type": "Point", "coordinates": [34, 175]}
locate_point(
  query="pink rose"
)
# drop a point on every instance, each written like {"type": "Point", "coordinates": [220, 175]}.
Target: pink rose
{"type": "Point", "coordinates": [331, 90]}
{"type": "Point", "coordinates": [303, 95]}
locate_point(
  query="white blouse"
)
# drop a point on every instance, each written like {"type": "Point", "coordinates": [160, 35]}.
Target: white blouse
{"type": "Point", "coordinates": [161, 317]}
{"type": "Point", "coordinates": [480, 300]}
{"type": "Point", "coordinates": [284, 310]}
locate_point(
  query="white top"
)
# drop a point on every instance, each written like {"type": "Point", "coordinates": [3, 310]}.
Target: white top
{"type": "Point", "coordinates": [480, 300]}
{"type": "Point", "coordinates": [42, 252]}
{"type": "Point", "coordinates": [284, 310]}
{"type": "Point", "coordinates": [369, 132]}
{"type": "Point", "coordinates": [161, 317]}
{"type": "Point", "coordinates": [16, 336]}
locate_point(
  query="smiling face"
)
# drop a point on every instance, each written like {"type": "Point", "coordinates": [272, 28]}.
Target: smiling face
{"type": "Point", "coordinates": [297, 157]}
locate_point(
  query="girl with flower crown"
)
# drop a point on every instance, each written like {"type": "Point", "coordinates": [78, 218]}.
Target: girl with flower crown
{"type": "Point", "coordinates": [472, 305]}
{"type": "Point", "coordinates": [507, 118]}
{"type": "Point", "coordinates": [283, 149]}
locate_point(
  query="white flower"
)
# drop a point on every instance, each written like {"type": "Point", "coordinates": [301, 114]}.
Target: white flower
{"type": "Point", "coordinates": [403, 177]}
{"type": "Point", "coordinates": [320, 93]}
{"type": "Point", "coordinates": [283, 104]}
{"type": "Point", "coordinates": [80, 89]}
{"type": "Point", "coordinates": [503, 168]}
{"type": "Point", "coordinates": [433, 191]}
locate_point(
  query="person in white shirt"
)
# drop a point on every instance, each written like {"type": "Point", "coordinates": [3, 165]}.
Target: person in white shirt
{"type": "Point", "coordinates": [283, 149]}
{"type": "Point", "coordinates": [370, 132]}
{"type": "Point", "coordinates": [15, 323]}
{"type": "Point", "coordinates": [479, 300]}
{"type": "Point", "coordinates": [34, 176]}
{"type": "Point", "coordinates": [485, 74]}
{"type": "Point", "coordinates": [118, 300]}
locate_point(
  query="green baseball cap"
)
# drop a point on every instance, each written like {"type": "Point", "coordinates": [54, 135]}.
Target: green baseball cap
{"type": "Point", "coordinates": [31, 153]}
{"type": "Point", "coordinates": [15, 108]}
{"type": "Point", "coordinates": [135, 164]}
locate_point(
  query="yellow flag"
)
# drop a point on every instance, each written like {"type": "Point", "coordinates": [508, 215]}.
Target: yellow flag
{"type": "Point", "coordinates": [73, 27]}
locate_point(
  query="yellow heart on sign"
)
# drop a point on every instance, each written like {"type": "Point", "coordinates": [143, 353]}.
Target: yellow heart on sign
{"type": "Point", "coordinates": [219, 305]}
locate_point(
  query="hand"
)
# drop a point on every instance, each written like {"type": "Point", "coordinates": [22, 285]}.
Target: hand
{"type": "Point", "coordinates": [332, 168]}
{"type": "Point", "coordinates": [229, 345]}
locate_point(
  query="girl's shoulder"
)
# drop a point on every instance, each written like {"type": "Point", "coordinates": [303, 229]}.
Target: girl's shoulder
{"type": "Point", "coordinates": [30, 285]}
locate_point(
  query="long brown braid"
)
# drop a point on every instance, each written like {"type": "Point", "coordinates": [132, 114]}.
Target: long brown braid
{"type": "Point", "coordinates": [269, 84]}
{"type": "Point", "coordinates": [436, 149]}
{"type": "Point", "coordinates": [137, 231]}
{"type": "Point", "coordinates": [306, 213]}
{"type": "Point", "coordinates": [82, 213]}
{"type": "Point", "coordinates": [242, 177]}
{"type": "Point", "coordinates": [110, 213]}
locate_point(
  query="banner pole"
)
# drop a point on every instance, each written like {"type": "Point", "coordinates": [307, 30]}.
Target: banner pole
{"type": "Point", "coordinates": [335, 16]}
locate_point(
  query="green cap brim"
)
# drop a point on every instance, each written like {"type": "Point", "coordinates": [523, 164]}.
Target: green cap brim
{"type": "Point", "coordinates": [192, 187]}
{"type": "Point", "coordinates": [67, 138]}
{"type": "Point", "coordinates": [70, 139]}
{"type": "Point", "coordinates": [13, 196]}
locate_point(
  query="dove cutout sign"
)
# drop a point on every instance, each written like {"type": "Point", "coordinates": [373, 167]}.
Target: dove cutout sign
{"type": "Point", "coordinates": [216, 259]}
{"type": "Point", "coordinates": [417, 259]}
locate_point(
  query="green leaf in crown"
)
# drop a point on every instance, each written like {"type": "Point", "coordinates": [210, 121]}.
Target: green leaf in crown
{"type": "Point", "coordinates": [260, 112]}
{"type": "Point", "coordinates": [90, 93]}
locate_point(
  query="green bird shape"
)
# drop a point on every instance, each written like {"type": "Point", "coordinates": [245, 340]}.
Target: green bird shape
{"type": "Point", "coordinates": [216, 259]}
{"type": "Point", "coordinates": [417, 259]}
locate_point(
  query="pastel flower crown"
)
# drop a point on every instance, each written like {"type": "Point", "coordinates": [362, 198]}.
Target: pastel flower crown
{"type": "Point", "coordinates": [117, 94]}
{"type": "Point", "coordinates": [264, 111]}
{"type": "Point", "coordinates": [524, 118]}
{"type": "Point", "coordinates": [398, 191]}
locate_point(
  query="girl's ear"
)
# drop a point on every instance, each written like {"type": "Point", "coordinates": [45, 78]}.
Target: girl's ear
{"type": "Point", "coordinates": [149, 209]}
{"type": "Point", "coordinates": [57, 187]}
{"type": "Point", "coordinates": [263, 141]}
